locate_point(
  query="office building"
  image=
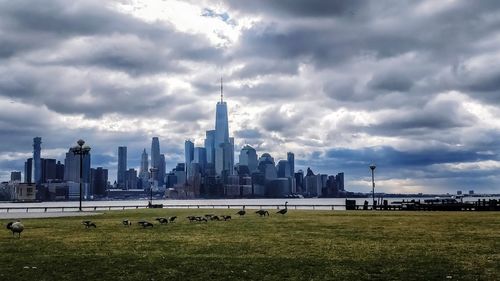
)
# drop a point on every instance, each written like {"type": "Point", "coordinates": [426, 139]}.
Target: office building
{"type": "Point", "coordinates": [122, 166]}
{"type": "Point", "coordinates": [37, 159]}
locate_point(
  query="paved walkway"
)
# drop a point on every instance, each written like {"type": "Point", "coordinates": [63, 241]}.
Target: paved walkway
{"type": "Point", "coordinates": [35, 215]}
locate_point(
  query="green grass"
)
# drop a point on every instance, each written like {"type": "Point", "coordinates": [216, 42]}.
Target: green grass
{"type": "Point", "coordinates": [302, 245]}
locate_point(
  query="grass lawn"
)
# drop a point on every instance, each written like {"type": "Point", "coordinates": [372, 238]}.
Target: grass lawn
{"type": "Point", "coordinates": [302, 245]}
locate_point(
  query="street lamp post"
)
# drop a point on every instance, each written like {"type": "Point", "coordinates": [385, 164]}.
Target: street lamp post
{"type": "Point", "coordinates": [372, 167]}
{"type": "Point", "coordinates": [81, 150]}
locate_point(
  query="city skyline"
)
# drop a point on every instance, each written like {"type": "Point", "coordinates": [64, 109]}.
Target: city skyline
{"type": "Point", "coordinates": [340, 84]}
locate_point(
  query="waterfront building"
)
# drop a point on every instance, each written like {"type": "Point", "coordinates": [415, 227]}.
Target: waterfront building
{"type": "Point", "coordinates": [72, 171]}
{"type": "Point", "coordinates": [224, 145]}
{"type": "Point", "coordinates": [155, 155]}
{"type": "Point", "coordinates": [290, 157]}
{"type": "Point", "coordinates": [200, 158]}
{"type": "Point", "coordinates": [248, 157]}
{"type": "Point", "coordinates": [28, 170]}
{"type": "Point", "coordinates": [161, 171]}
{"type": "Point", "coordinates": [144, 170]}
{"type": "Point", "coordinates": [188, 156]}
{"type": "Point", "coordinates": [37, 160]}
{"type": "Point", "coordinates": [99, 181]}
{"type": "Point", "coordinates": [15, 176]}
{"type": "Point", "coordinates": [131, 179]}
{"type": "Point", "coordinates": [122, 166]}
{"type": "Point", "coordinates": [283, 168]}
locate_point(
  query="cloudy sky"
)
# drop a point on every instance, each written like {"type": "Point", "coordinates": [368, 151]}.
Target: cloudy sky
{"type": "Point", "coordinates": [412, 86]}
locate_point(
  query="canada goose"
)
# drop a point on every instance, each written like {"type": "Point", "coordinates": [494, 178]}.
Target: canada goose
{"type": "Point", "coordinates": [226, 218]}
{"type": "Point", "coordinates": [16, 227]}
{"type": "Point", "coordinates": [283, 211]}
{"type": "Point", "coordinates": [172, 219]}
{"type": "Point", "coordinates": [89, 224]}
{"type": "Point", "coordinates": [126, 222]}
{"type": "Point", "coordinates": [241, 212]}
{"type": "Point", "coordinates": [262, 213]}
{"type": "Point", "coordinates": [162, 220]}
{"type": "Point", "coordinates": [145, 224]}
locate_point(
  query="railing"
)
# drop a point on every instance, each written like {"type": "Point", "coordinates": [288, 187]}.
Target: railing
{"type": "Point", "coordinates": [39, 209]}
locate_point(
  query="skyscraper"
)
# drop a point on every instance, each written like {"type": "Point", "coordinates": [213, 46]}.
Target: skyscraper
{"type": "Point", "coordinates": [283, 168]}
{"type": "Point", "coordinates": [28, 170]}
{"type": "Point", "coordinates": [210, 146]}
{"type": "Point", "coordinates": [224, 146]}
{"type": "Point", "coordinates": [122, 166]}
{"type": "Point", "coordinates": [188, 155]}
{"type": "Point", "coordinates": [144, 171]}
{"type": "Point", "coordinates": [155, 154]}
{"type": "Point", "coordinates": [200, 157]}
{"type": "Point", "coordinates": [161, 171]}
{"type": "Point", "coordinates": [72, 170]}
{"type": "Point", "coordinates": [290, 157]}
{"type": "Point", "coordinates": [248, 157]}
{"type": "Point", "coordinates": [37, 160]}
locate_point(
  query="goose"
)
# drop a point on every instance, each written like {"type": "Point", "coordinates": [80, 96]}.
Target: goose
{"type": "Point", "coordinates": [226, 218]}
{"type": "Point", "coordinates": [283, 211]}
{"type": "Point", "coordinates": [162, 220]}
{"type": "Point", "coordinates": [262, 212]}
{"type": "Point", "coordinates": [126, 222]}
{"type": "Point", "coordinates": [172, 219]}
{"type": "Point", "coordinates": [145, 224]}
{"type": "Point", "coordinates": [241, 212]}
{"type": "Point", "coordinates": [89, 224]}
{"type": "Point", "coordinates": [16, 227]}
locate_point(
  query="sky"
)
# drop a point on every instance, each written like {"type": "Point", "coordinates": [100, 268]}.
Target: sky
{"type": "Point", "coordinates": [412, 86]}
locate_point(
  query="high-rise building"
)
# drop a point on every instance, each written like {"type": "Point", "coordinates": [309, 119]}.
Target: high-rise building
{"type": "Point", "coordinates": [155, 155]}
{"type": "Point", "coordinates": [59, 171]}
{"type": "Point", "coordinates": [210, 146]}
{"type": "Point", "coordinates": [248, 157]}
{"type": "Point", "coordinates": [224, 146]}
{"type": "Point", "coordinates": [122, 166]}
{"type": "Point", "coordinates": [290, 157]}
{"type": "Point", "coordinates": [37, 159]}
{"type": "Point", "coordinates": [162, 171]}
{"type": "Point", "coordinates": [200, 158]}
{"type": "Point", "coordinates": [15, 176]}
{"type": "Point", "coordinates": [49, 170]}
{"type": "Point", "coordinates": [283, 168]}
{"type": "Point", "coordinates": [339, 179]}
{"type": "Point", "coordinates": [72, 170]}
{"type": "Point", "coordinates": [28, 170]}
{"type": "Point", "coordinates": [99, 181]}
{"type": "Point", "coordinates": [131, 179]}
{"type": "Point", "coordinates": [72, 167]}
{"type": "Point", "coordinates": [144, 171]}
{"type": "Point", "coordinates": [188, 155]}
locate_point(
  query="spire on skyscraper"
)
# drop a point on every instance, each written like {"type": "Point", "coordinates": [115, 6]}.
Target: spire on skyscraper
{"type": "Point", "coordinates": [221, 91]}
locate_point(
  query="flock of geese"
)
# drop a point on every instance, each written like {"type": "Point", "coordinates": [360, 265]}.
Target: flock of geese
{"type": "Point", "coordinates": [18, 227]}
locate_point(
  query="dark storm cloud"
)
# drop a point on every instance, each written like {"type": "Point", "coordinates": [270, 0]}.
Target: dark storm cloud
{"type": "Point", "coordinates": [390, 157]}
{"type": "Point", "coordinates": [391, 82]}
{"type": "Point", "coordinates": [314, 8]}
{"type": "Point", "coordinates": [248, 134]}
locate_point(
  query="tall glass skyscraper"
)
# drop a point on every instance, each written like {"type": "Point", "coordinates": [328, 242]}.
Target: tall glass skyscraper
{"type": "Point", "coordinates": [224, 146]}
{"type": "Point", "coordinates": [122, 166]}
{"type": "Point", "coordinates": [37, 159]}
{"type": "Point", "coordinates": [210, 146]}
{"type": "Point", "coordinates": [155, 154]}
{"type": "Point", "coordinates": [188, 156]}
{"type": "Point", "coordinates": [290, 157]}
{"type": "Point", "coordinates": [144, 171]}
{"type": "Point", "coordinates": [248, 157]}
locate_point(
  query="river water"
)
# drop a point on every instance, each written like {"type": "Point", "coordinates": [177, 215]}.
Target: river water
{"type": "Point", "coordinates": [215, 203]}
